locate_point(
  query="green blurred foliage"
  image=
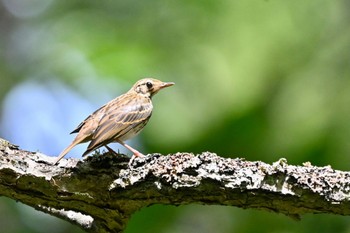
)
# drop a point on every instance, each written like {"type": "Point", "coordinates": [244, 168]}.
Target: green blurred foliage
{"type": "Point", "coordinates": [255, 79]}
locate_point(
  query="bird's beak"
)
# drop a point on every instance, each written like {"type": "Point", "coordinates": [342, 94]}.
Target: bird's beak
{"type": "Point", "coordinates": [168, 84]}
{"type": "Point", "coordinates": [161, 86]}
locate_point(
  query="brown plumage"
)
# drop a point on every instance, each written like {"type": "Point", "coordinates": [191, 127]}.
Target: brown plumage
{"type": "Point", "coordinates": [120, 119]}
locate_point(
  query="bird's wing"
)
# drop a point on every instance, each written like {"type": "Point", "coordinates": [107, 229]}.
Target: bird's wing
{"type": "Point", "coordinates": [118, 120]}
{"type": "Point", "coordinates": [81, 125]}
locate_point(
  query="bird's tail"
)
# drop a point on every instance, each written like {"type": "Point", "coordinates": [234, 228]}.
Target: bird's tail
{"type": "Point", "coordinates": [64, 152]}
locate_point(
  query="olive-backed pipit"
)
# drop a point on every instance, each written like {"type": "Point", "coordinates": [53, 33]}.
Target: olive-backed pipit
{"type": "Point", "coordinates": [120, 119]}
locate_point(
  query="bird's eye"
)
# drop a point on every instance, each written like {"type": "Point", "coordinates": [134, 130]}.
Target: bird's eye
{"type": "Point", "coordinates": [149, 85]}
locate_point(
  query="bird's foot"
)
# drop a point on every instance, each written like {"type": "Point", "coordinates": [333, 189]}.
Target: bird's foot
{"type": "Point", "coordinates": [135, 155]}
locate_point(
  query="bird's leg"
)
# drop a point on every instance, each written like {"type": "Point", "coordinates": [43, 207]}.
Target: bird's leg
{"type": "Point", "coordinates": [134, 151]}
{"type": "Point", "coordinates": [111, 150]}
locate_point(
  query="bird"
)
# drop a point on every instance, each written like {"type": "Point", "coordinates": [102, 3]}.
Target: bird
{"type": "Point", "coordinates": [118, 120]}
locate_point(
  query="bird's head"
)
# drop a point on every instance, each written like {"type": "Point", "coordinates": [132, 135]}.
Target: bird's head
{"type": "Point", "coordinates": [150, 86]}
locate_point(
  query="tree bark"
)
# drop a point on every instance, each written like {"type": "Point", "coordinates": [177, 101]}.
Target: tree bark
{"type": "Point", "coordinates": [101, 193]}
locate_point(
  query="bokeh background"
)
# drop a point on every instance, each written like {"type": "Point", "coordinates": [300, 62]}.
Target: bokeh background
{"type": "Point", "coordinates": [259, 79]}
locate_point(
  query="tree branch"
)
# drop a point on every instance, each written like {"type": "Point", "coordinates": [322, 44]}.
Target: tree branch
{"type": "Point", "coordinates": [101, 193]}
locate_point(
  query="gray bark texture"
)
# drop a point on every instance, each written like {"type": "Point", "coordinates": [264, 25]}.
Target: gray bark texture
{"type": "Point", "coordinates": [101, 193]}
